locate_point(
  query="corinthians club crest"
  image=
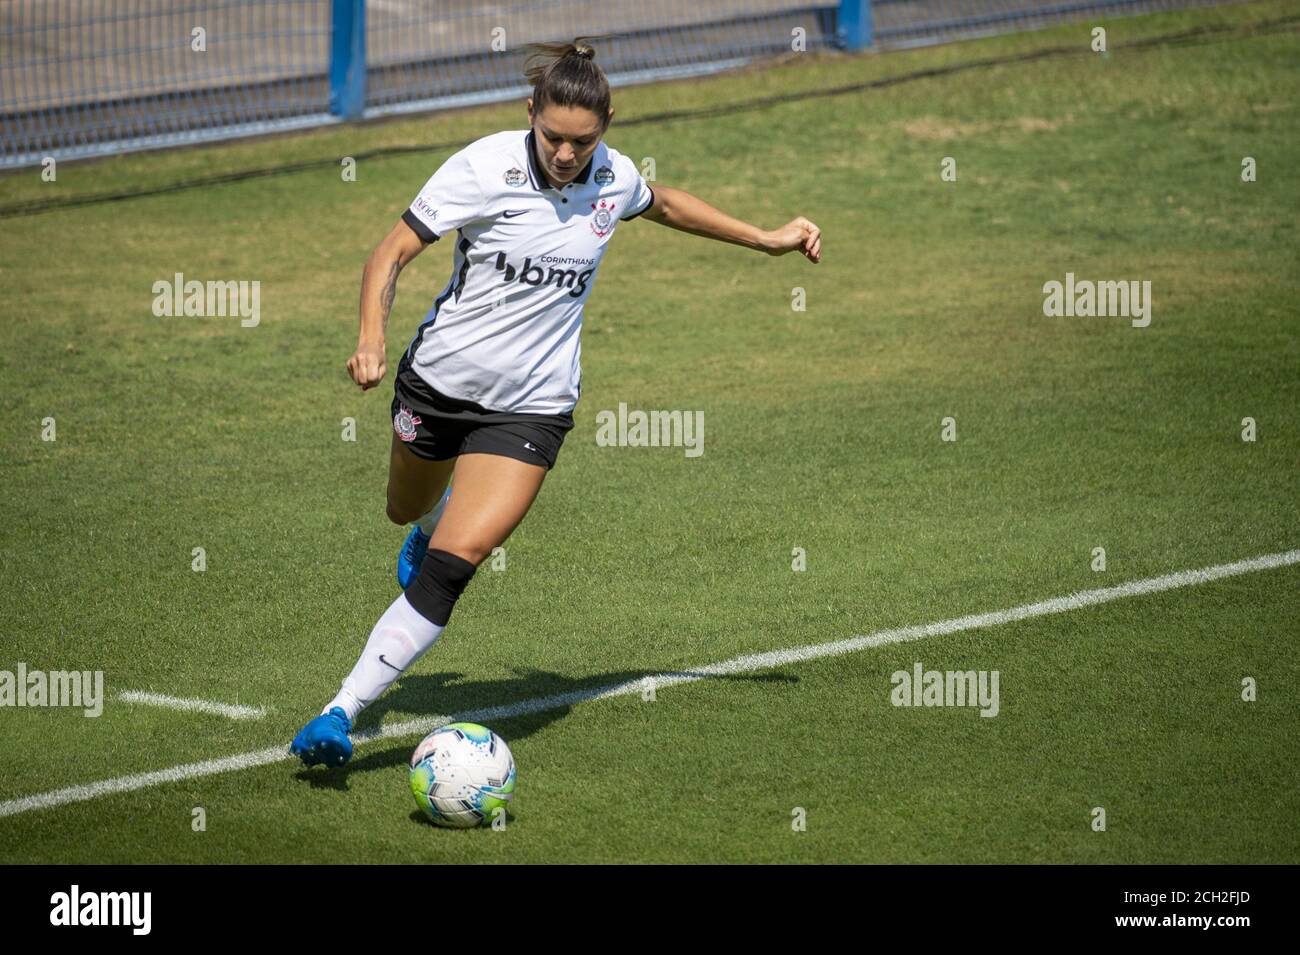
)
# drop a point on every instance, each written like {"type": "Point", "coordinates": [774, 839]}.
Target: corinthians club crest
{"type": "Point", "coordinates": [603, 221]}
{"type": "Point", "coordinates": [404, 423]}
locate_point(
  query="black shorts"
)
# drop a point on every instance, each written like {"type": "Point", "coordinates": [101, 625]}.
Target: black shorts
{"type": "Point", "coordinates": [437, 427]}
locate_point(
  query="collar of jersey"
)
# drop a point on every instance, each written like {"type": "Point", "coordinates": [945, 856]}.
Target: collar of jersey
{"type": "Point", "coordinates": [539, 179]}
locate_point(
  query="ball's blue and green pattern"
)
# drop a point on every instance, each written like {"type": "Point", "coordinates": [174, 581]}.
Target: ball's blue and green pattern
{"type": "Point", "coordinates": [462, 775]}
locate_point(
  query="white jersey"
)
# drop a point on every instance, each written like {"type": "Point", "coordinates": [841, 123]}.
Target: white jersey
{"type": "Point", "coordinates": [504, 333]}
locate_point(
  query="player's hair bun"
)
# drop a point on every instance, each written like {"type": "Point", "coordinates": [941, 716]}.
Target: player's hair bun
{"type": "Point", "coordinates": [566, 74]}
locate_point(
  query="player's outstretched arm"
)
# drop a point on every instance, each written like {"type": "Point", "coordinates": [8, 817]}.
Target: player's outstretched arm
{"type": "Point", "coordinates": [378, 290]}
{"type": "Point", "coordinates": [681, 210]}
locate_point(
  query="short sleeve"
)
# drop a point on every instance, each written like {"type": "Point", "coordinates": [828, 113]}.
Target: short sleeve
{"type": "Point", "coordinates": [643, 196]}
{"type": "Point", "coordinates": [451, 198]}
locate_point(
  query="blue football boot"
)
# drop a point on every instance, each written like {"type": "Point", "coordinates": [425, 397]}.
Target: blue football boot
{"type": "Point", "coordinates": [324, 740]}
{"type": "Point", "coordinates": [411, 556]}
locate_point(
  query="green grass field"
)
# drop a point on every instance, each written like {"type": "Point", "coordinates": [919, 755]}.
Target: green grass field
{"type": "Point", "coordinates": [822, 432]}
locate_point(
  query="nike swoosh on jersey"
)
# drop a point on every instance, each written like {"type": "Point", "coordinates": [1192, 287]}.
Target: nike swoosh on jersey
{"type": "Point", "coordinates": [511, 214]}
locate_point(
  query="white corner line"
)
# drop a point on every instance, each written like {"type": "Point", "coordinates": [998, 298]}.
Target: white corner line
{"type": "Point", "coordinates": [742, 664]}
{"type": "Point", "coordinates": [228, 710]}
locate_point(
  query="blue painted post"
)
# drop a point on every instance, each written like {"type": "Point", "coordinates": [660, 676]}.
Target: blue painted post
{"type": "Point", "coordinates": [348, 59]}
{"type": "Point", "coordinates": [854, 28]}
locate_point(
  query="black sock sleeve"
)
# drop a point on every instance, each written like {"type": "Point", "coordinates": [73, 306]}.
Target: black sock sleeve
{"type": "Point", "coordinates": [442, 579]}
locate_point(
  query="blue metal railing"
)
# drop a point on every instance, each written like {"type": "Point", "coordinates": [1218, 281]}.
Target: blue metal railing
{"type": "Point", "coordinates": [93, 77]}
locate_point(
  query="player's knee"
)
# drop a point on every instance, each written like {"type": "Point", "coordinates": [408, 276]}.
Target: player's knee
{"type": "Point", "coordinates": [399, 514]}
{"type": "Point", "coordinates": [442, 579]}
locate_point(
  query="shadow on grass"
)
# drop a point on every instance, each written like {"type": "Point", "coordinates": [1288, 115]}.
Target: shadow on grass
{"type": "Point", "coordinates": [535, 699]}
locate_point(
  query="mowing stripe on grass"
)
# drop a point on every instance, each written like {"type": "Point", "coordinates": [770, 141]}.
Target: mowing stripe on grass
{"type": "Point", "coordinates": [744, 664]}
{"type": "Point", "coordinates": [230, 710]}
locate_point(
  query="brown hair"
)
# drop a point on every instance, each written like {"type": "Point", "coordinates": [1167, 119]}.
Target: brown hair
{"type": "Point", "coordinates": [570, 78]}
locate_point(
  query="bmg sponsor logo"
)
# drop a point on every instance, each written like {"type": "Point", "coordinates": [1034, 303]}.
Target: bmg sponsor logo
{"type": "Point", "coordinates": [552, 274]}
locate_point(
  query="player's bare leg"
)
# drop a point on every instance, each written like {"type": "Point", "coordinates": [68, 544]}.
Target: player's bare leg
{"type": "Point", "coordinates": [493, 493]}
{"type": "Point", "coordinates": [417, 493]}
{"type": "Point", "coordinates": [414, 483]}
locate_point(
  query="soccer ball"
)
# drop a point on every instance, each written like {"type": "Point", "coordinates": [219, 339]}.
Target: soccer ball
{"type": "Point", "coordinates": [461, 775]}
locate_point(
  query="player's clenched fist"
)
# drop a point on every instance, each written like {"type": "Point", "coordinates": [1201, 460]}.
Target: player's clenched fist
{"type": "Point", "coordinates": [797, 234]}
{"type": "Point", "coordinates": [367, 365]}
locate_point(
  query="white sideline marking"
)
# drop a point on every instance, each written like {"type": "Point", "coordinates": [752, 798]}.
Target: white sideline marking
{"type": "Point", "coordinates": [229, 710]}
{"type": "Point", "coordinates": [755, 661]}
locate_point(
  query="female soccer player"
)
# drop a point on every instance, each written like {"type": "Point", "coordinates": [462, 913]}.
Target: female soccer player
{"type": "Point", "coordinates": [484, 394]}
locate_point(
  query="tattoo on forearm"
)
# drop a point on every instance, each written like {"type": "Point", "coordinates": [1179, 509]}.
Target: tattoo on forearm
{"type": "Point", "coordinates": [389, 292]}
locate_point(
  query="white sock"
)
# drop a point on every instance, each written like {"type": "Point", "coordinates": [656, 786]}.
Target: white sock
{"type": "Point", "coordinates": [398, 639]}
{"type": "Point", "coordinates": [429, 521]}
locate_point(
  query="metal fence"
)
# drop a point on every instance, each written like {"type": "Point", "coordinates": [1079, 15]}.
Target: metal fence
{"type": "Point", "coordinates": [91, 77]}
